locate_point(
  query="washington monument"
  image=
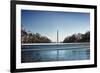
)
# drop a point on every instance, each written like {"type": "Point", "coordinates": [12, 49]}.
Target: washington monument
{"type": "Point", "coordinates": [57, 36]}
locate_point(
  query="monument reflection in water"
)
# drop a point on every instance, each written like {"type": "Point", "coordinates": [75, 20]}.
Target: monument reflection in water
{"type": "Point", "coordinates": [55, 52]}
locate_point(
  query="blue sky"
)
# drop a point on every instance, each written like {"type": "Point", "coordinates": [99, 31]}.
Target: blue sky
{"type": "Point", "coordinates": [47, 22]}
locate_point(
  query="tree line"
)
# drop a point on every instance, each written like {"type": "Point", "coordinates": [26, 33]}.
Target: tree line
{"type": "Point", "coordinates": [78, 38]}
{"type": "Point", "coordinates": [28, 37]}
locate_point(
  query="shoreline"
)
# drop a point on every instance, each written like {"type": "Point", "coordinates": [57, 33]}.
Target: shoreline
{"type": "Point", "coordinates": [53, 43]}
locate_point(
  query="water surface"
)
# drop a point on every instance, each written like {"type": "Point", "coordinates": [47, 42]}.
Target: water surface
{"type": "Point", "coordinates": [55, 52]}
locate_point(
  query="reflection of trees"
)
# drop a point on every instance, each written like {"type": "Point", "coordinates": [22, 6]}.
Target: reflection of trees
{"type": "Point", "coordinates": [78, 38]}
{"type": "Point", "coordinates": [33, 38]}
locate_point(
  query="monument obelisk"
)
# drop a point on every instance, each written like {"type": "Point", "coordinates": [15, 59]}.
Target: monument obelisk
{"type": "Point", "coordinates": [57, 36]}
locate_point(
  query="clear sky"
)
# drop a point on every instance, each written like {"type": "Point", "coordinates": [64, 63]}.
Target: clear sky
{"type": "Point", "coordinates": [47, 22]}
